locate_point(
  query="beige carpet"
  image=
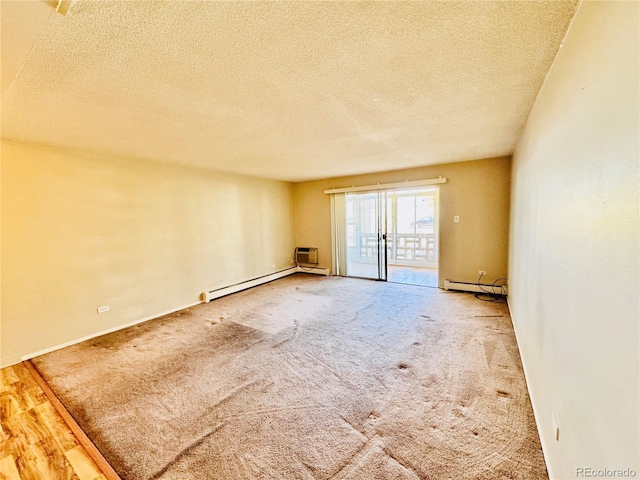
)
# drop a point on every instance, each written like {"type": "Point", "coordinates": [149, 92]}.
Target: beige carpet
{"type": "Point", "coordinates": [309, 378]}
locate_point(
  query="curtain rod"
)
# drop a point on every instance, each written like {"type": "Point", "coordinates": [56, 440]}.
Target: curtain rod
{"type": "Point", "coordinates": [388, 186]}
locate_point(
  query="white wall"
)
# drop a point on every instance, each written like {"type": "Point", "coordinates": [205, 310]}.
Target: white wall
{"type": "Point", "coordinates": [81, 231]}
{"type": "Point", "coordinates": [574, 244]}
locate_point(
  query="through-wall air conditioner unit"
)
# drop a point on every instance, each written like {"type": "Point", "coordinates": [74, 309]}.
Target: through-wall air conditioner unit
{"type": "Point", "coordinates": [307, 255]}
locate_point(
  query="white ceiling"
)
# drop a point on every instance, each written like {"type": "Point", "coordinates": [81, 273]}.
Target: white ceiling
{"type": "Point", "coordinates": [288, 90]}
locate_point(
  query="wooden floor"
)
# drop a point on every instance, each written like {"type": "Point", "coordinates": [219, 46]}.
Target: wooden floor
{"type": "Point", "coordinates": [35, 443]}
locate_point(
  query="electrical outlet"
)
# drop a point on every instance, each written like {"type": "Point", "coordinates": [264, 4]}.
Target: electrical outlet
{"type": "Point", "coordinates": [456, 219]}
{"type": "Point", "coordinates": [482, 273]}
{"type": "Point", "coordinates": [556, 429]}
{"type": "Point", "coordinates": [104, 308]}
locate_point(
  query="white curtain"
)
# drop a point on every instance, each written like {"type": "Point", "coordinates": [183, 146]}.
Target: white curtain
{"type": "Point", "coordinates": [338, 235]}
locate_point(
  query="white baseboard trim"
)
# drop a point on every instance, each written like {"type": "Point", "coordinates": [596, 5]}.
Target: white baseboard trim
{"type": "Point", "coordinates": [224, 291]}
{"type": "Point", "coordinates": [217, 293]}
{"type": "Point", "coordinates": [29, 356]}
{"type": "Point", "coordinates": [314, 270]}
{"type": "Point", "coordinates": [536, 414]}
{"type": "Point", "coordinates": [473, 287]}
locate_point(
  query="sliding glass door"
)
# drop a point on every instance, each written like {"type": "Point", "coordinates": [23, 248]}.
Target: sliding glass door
{"type": "Point", "coordinates": [412, 224]}
{"type": "Point", "coordinates": [365, 232]}
{"type": "Point", "coordinates": [391, 233]}
{"type": "Point", "coordinates": [387, 234]}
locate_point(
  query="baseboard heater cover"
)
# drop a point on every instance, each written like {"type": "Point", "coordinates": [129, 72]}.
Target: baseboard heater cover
{"type": "Point", "coordinates": [314, 270]}
{"type": "Point", "coordinates": [221, 292]}
{"type": "Point", "coordinates": [474, 287]}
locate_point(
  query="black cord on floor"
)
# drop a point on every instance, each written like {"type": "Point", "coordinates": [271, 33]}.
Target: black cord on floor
{"type": "Point", "coordinates": [493, 295]}
{"type": "Point", "coordinates": [306, 269]}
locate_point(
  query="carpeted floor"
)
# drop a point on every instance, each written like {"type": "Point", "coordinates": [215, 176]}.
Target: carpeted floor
{"type": "Point", "coordinates": [309, 378]}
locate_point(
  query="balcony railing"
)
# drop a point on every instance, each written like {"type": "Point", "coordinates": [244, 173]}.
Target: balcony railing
{"type": "Point", "coordinates": [402, 249]}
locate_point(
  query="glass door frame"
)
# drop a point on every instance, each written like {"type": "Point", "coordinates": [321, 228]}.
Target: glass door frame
{"type": "Point", "coordinates": [382, 226]}
{"type": "Point", "coordinates": [382, 236]}
{"type": "Point", "coordinates": [380, 219]}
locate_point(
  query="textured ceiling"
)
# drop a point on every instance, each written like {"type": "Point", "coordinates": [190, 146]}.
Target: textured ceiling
{"type": "Point", "coordinates": [289, 90]}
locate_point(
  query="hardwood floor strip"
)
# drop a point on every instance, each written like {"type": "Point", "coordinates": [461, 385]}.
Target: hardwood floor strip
{"type": "Point", "coordinates": [8, 470]}
{"type": "Point", "coordinates": [7, 376]}
{"type": "Point", "coordinates": [92, 450]}
{"type": "Point", "coordinates": [82, 465]}
{"type": "Point", "coordinates": [37, 455]}
{"type": "Point", "coordinates": [48, 416]}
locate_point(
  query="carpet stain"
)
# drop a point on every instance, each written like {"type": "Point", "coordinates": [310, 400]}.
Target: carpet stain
{"type": "Point", "coordinates": [308, 377]}
{"type": "Point", "coordinates": [185, 453]}
{"type": "Point", "coordinates": [502, 393]}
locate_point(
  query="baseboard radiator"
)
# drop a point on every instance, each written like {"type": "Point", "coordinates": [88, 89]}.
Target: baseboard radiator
{"type": "Point", "coordinates": [314, 270]}
{"type": "Point", "coordinates": [238, 287]}
{"type": "Point", "coordinates": [475, 287]}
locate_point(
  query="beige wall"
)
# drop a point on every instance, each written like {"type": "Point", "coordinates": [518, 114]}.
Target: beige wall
{"type": "Point", "coordinates": [477, 191]}
{"type": "Point", "coordinates": [79, 232]}
{"type": "Point", "coordinates": [574, 289]}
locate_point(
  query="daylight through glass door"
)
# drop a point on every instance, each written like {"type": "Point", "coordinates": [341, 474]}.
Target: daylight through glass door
{"type": "Point", "coordinates": [412, 236]}
{"type": "Point", "coordinates": [366, 224]}
{"type": "Point", "coordinates": [393, 235]}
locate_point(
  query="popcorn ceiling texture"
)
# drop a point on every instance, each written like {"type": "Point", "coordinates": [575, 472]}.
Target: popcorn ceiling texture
{"type": "Point", "coordinates": [287, 90]}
